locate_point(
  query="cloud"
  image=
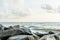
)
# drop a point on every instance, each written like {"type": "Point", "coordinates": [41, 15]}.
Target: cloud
{"type": "Point", "coordinates": [13, 9]}
{"type": "Point", "coordinates": [24, 10]}
{"type": "Point", "coordinates": [58, 9]}
{"type": "Point", "coordinates": [51, 6]}
{"type": "Point", "coordinates": [19, 13]}
{"type": "Point", "coordinates": [46, 7]}
{"type": "Point", "coordinates": [13, 14]}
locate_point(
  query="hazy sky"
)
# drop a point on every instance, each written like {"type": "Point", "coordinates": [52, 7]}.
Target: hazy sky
{"type": "Point", "coordinates": [29, 10]}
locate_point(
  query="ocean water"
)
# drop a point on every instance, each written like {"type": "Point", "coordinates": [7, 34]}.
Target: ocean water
{"type": "Point", "coordinates": [51, 25]}
{"type": "Point", "coordinates": [38, 24]}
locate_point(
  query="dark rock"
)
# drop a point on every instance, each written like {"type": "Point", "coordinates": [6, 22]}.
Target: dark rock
{"type": "Point", "coordinates": [40, 34]}
{"type": "Point", "coordinates": [20, 31]}
{"type": "Point", "coordinates": [48, 37]}
{"type": "Point", "coordinates": [24, 31]}
{"type": "Point", "coordinates": [17, 33]}
{"type": "Point", "coordinates": [16, 26]}
{"type": "Point", "coordinates": [10, 27]}
{"type": "Point", "coordinates": [5, 38]}
{"type": "Point", "coordinates": [56, 37]}
{"type": "Point", "coordinates": [50, 32]}
{"type": "Point", "coordinates": [1, 27]}
{"type": "Point", "coordinates": [5, 28]}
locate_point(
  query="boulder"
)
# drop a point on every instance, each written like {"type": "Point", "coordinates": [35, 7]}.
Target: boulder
{"type": "Point", "coordinates": [20, 31]}
{"type": "Point", "coordinates": [24, 37]}
{"type": "Point", "coordinates": [19, 37]}
{"type": "Point", "coordinates": [10, 27]}
{"type": "Point", "coordinates": [23, 31]}
{"type": "Point", "coordinates": [33, 37]}
{"type": "Point", "coordinates": [1, 27]}
{"type": "Point", "coordinates": [16, 26]}
{"type": "Point", "coordinates": [51, 32]}
{"type": "Point", "coordinates": [47, 37]}
{"type": "Point", "coordinates": [40, 34]}
{"type": "Point", "coordinates": [57, 36]}
{"type": "Point", "coordinates": [5, 28]}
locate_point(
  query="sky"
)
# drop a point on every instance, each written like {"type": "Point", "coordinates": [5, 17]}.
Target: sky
{"type": "Point", "coordinates": [29, 10]}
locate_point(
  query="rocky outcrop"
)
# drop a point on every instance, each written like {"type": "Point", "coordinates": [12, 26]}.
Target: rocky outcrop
{"type": "Point", "coordinates": [1, 27]}
{"type": "Point", "coordinates": [24, 37]}
{"type": "Point", "coordinates": [47, 37]}
{"type": "Point", "coordinates": [19, 37]}
{"type": "Point", "coordinates": [20, 31]}
{"type": "Point", "coordinates": [16, 26]}
{"type": "Point", "coordinates": [17, 33]}
{"type": "Point", "coordinates": [40, 34]}
{"type": "Point", "coordinates": [51, 37]}
{"type": "Point", "coordinates": [13, 31]}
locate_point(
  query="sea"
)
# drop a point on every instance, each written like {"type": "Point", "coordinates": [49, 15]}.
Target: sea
{"type": "Point", "coordinates": [36, 25]}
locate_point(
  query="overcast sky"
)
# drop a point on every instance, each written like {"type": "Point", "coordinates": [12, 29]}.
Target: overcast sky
{"type": "Point", "coordinates": [29, 10]}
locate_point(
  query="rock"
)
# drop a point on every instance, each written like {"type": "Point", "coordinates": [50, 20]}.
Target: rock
{"type": "Point", "coordinates": [57, 36]}
{"type": "Point", "coordinates": [48, 37]}
{"type": "Point", "coordinates": [16, 26]}
{"type": "Point", "coordinates": [40, 34]}
{"type": "Point", "coordinates": [33, 37]}
{"type": "Point", "coordinates": [20, 31]}
{"type": "Point", "coordinates": [0, 39]}
{"type": "Point", "coordinates": [24, 37]}
{"type": "Point", "coordinates": [17, 33]}
{"type": "Point", "coordinates": [1, 27]}
{"type": "Point", "coordinates": [5, 38]}
{"type": "Point", "coordinates": [10, 27]}
{"type": "Point", "coordinates": [19, 37]}
{"type": "Point", "coordinates": [24, 31]}
{"type": "Point", "coordinates": [5, 28]}
{"type": "Point", "coordinates": [51, 32]}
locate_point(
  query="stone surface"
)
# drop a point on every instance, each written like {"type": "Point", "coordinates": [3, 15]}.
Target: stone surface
{"type": "Point", "coordinates": [20, 31]}
{"type": "Point", "coordinates": [17, 33]}
{"type": "Point", "coordinates": [16, 26]}
{"type": "Point", "coordinates": [24, 37]}
{"type": "Point", "coordinates": [48, 37]}
{"type": "Point", "coordinates": [18, 37]}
